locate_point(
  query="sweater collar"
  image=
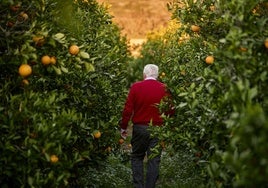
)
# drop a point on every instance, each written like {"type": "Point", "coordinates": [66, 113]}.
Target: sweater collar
{"type": "Point", "coordinates": [150, 78]}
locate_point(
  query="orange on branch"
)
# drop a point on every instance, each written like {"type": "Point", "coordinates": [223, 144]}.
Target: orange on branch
{"type": "Point", "coordinates": [25, 70]}
{"type": "Point", "coordinates": [14, 8]}
{"type": "Point", "coordinates": [209, 60]}
{"type": "Point", "coordinates": [97, 134]}
{"type": "Point", "coordinates": [121, 141]}
{"type": "Point", "coordinates": [46, 60]}
{"type": "Point", "coordinates": [24, 16]}
{"type": "Point", "coordinates": [10, 24]}
{"type": "Point", "coordinates": [54, 158]}
{"type": "Point", "coordinates": [25, 82]}
{"type": "Point", "coordinates": [39, 40]}
{"type": "Point", "coordinates": [108, 149]}
{"type": "Point", "coordinates": [195, 28]}
{"type": "Point", "coordinates": [243, 49]}
{"type": "Point", "coordinates": [74, 50]}
{"type": "Point", "coordinates": [53, 60]}
{"type": "Point", "coordinates": [266, 43]}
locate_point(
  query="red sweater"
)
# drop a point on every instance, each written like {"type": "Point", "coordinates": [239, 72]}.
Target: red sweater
{"type": "Point", "coordinates": [141, 104]}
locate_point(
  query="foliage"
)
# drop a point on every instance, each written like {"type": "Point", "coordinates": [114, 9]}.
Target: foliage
{"type": "Point", "coordinates": [178, 169]}
{"type": "Point", "coordinates": [111, 173]}
{"type": "Point", "coordinates": [219, 132]}
{"type": "Point", "coordinates": [221, 109]}
{"type": "Point", "coordinates": [48, 118]}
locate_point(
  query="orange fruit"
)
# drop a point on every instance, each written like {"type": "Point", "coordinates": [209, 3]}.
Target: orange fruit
{"type": "Point", "coordinates": [243, 49]}
{"type": "Point", "coordinates": [97, 134]}
{"type": "Point", "coordinates": [25, 70]}
{"type": "Point", "coordinates": [25, 82]}
{"type": "Point", "coordinates": [39, 40]}
{"type": "Point", "coordinates": [15, 8]}
{"type": "Point", "coordinates": [212, 8]}
{"type": "Point", "coordinates": [121, 141]}
{"type": "Point", "coordinates": [54, 158]}
{"type": "Point", "coordinates": [53, 60]}
{"type": "Point", "coordinates": [209, 59]}
{"type": "Point", "coordinates": [74, 50]}
{"type": "Point", "coordinates": [195, 28]}
{"type": "Point", "coordinates": [108, 149]}
{"type": "Point", "coordinates": [10, 24]}
{"type": "Point", "coordinates": [45, 60]}
{"type": "Point", "coordinates": [24, 16]}
{"type": "Point", "coordinates": [266, 43]}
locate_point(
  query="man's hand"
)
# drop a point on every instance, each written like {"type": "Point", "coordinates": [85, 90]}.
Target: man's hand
{"type": "Point", "coordinates": [124, 133]}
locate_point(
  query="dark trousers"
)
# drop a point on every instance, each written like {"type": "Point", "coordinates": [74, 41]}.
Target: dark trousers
{"type": "Point", "coordinates": [142, 144]}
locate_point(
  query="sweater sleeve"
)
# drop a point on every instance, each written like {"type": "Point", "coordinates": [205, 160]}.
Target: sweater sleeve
{"type": "Point", "coordinates": [128, 109]}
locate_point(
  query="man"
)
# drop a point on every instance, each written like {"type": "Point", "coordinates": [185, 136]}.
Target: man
{"type": "Point", "coordinates": [141, 108]}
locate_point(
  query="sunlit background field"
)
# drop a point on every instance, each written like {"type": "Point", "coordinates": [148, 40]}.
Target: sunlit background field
{"type": "Point", "coordinates": [136, 18]}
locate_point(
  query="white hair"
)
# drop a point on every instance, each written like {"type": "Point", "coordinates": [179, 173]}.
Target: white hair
{"type": "Point", "coordinates": [151, 70]}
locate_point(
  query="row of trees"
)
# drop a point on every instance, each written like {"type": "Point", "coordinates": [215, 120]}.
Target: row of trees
{"type": "Point", "coordinates": [214, 58]}
{"type": "Point", "coordinates": [62, 73]}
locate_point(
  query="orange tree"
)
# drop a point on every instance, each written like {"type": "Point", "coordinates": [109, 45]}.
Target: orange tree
{"type": "Point", "coordinates": [61, 70]}
{"type": "Point", "coordinates": [221, 102]}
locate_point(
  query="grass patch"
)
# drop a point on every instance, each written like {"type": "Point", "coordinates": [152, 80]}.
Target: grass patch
{"type": "Point", "coordinates": [113, 173]}
{"type": "Point", "coordinates": [179, 170]}
{"type": "Point", "coordinates": [176, 170]}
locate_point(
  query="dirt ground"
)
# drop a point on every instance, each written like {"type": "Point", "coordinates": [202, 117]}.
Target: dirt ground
{"type": "Point", "coordinates": [138, 17]}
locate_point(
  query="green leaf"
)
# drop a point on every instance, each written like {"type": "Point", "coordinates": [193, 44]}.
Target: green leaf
{"type": "Point", "coordinates": [182, 104]}
{"type": "Point", "coordinates": [263, 76]}
{"type": "Point", "coordinates": [59, 36]}
{"type": "Point", "coordinates": [252, 93]}
{"type": "Point", "coordinates": [84, 55]}
{"type": "Point", "coordinates": [183, 94]}
{"type": "Point", "coordinates": [57, 70]}
{"type": "Point", "coordinates": [89, 67]}
{"type": "Point", "coordinates": [65, 70]}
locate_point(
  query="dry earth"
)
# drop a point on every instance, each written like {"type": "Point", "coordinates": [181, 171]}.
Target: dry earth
{"type": "Point", "coordinates": [138, 17]}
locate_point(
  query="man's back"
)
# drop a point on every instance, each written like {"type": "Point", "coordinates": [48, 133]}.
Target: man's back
{"type": "Point", "coordinates": [142, 102]}
{"type": "Point", "coordinates": [147, 95]}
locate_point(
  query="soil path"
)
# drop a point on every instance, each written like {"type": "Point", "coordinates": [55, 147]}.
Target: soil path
{"type": "Point", "coordinates": [138, 17]}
